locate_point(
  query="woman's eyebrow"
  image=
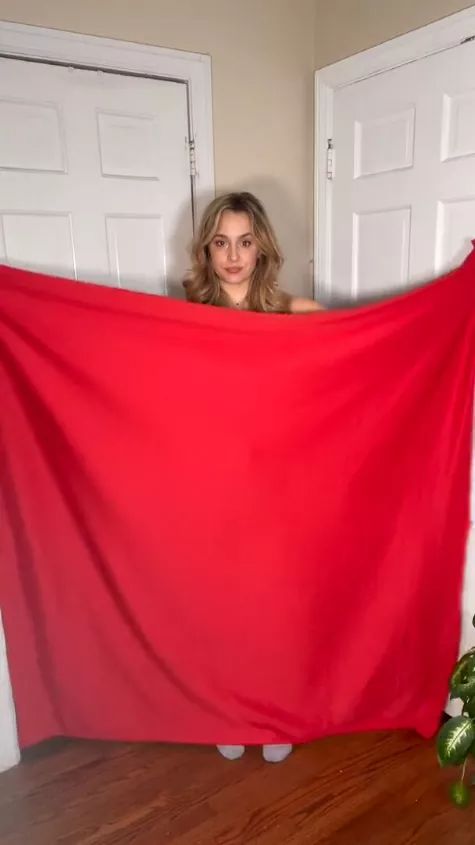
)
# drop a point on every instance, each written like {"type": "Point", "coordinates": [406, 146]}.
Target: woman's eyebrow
{"type": "Point", "coordinates": [245, 235]}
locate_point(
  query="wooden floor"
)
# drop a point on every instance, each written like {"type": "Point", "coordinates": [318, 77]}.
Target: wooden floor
{"type": "Point", "coordinates": [383, 789]}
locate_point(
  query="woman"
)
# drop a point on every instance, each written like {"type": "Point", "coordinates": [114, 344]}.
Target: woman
{"type": "Point", "coordinates": [236, 261]}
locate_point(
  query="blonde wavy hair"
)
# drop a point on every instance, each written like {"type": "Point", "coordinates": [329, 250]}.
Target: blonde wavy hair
{"type": "Point", "coordinates": [203, 285]}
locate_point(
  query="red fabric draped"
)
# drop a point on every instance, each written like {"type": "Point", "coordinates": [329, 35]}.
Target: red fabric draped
{"type": "Point", "coordinates": [231, 527]}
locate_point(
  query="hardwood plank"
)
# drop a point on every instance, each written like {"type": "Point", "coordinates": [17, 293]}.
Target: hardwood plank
{"type": "Point", "coordinates": [373, 789]}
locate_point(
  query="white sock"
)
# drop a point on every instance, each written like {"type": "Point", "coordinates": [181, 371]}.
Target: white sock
{"type": "Point", "coordinates": [231, 752]}
{"type": "Point", "coordinates": [276, 753]}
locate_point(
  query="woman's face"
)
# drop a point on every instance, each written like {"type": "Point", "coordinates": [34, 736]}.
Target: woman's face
{"type": "Point", "coordinates": [233, 250]}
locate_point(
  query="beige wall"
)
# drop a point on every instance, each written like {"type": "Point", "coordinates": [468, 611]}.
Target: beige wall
{"type": "Point", "coordinates": [345, 27]}
{"type": "Point", "coordinates": [262, 58]}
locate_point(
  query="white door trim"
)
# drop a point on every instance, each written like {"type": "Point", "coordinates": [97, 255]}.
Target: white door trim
{"type": "Point", "coordinates": [90, 51]}
{"type": "Point", "coordinates": [193, 69]}
{"type": "Point", "coordinates": [441, 35]}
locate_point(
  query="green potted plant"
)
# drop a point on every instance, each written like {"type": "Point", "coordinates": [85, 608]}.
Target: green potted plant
{"type": "Point", "coordinates": [456, 738]}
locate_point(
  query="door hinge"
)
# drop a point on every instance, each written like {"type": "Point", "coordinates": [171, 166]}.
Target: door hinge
{"type": "Point", "coordinates": [330, 159]}
{"type": "Point", "coordinates": [192, 155]}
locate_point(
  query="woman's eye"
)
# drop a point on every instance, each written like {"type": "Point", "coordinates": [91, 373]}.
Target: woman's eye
{"type": "Point", "coordinates": [219, 243]}
{"type": "Point", "coordinates": [247, 244]}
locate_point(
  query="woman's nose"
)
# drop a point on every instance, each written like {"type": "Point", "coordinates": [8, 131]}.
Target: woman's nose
{"type": "Point", "coordinates": [233, 252]}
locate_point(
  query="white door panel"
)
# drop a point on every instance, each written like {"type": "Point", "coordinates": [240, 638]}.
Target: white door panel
{"type": "Point", "coordinates": [94, 184]}
{"type": "Point", "coordinates": [94, 175]}
{"type": "Point", "coordinates": [404, 188]}
{"type": "Point", "coordinates": [403, 195]}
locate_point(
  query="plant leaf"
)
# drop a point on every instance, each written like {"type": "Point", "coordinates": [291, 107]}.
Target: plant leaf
{"type": "Point", "coordinates": [464, 690]}
{"type": "Point", "coordinates": [464, 670]}
{"type": "Point", "coordinates": [469, 708]}
{"type": "Point", "coordinates": [454, 740]}
{"type": "Point", "coordinates": [460, 794]}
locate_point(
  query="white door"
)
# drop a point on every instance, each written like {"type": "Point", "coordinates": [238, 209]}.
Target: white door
{"type": "Point", "coordinates": [403, 192]}
{"type": "Point", "coordinates": [404, 179]}
{"type": "Point", "coordinates": [94, 175]}
{"type": "Point", "coordinates": [94, 184]}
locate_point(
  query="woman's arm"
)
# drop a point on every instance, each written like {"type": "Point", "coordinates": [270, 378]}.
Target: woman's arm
{"type": "Point", "coordinates": [302, 305]}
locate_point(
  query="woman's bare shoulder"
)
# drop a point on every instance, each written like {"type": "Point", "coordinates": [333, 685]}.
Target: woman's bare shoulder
{"type": "Point", "coordinates": [303, 305]}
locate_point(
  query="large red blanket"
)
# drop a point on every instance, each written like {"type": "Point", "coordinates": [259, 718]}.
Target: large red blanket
{"type": "Point", "coordinates": [230, 527]}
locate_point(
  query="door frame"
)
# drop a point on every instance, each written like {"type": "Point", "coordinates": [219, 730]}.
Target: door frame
{"type": "Point", "coordinates": [53, 46]}
{"type": "Point", "coordinates": [418, 44]}
{"type": "Point", "coordinates": [86, 51]}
